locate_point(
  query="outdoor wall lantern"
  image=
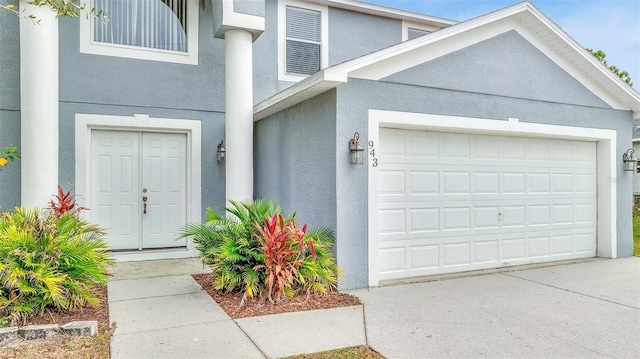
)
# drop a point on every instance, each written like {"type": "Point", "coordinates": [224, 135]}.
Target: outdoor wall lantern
{"type": "Point", "coordinates": [630, 162]}
{"type": "Point", "coordinates": [356, 150]}
{"type": "Point", "coordinates": [222, 152]}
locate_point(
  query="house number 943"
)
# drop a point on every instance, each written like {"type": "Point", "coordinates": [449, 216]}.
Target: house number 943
{"type": "Point", "coordinates": [372, 153]}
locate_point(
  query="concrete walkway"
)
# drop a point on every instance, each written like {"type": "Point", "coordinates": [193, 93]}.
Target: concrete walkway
{"type": "Point", "coordinates": [585, 310]}
{"type": "Point", "coordinates": [160, 311]}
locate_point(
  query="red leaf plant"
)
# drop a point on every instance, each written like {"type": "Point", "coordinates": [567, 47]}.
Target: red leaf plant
{"type": "Point", "coordinates": [283, 246]}
{"type": "Point", "coordinates": [63, 203]}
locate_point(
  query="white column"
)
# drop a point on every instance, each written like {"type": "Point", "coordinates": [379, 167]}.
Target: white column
{"type": "Point", "coordinates": [38, 105]}
{"type": "Point", "coordinates": [239, 112]}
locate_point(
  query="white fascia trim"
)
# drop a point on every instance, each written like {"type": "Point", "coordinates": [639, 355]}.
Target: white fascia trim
{"type": "Point", "coordinates": [88, 46]}
{"type": "Point", "coordinates": [605, 155]}
{"type": "Point", "coordinates": [621, 93]}
{"type": "Point", "coordinates": [282, 34]}
{"type": "Point", "coordinates": [311, 86]}
{"type": "Point", "coordinates": [382, 63]}
{"type": "Point", "coordinates": [85, 123]}
{"type": "Point", "coordinates": [385, 11]}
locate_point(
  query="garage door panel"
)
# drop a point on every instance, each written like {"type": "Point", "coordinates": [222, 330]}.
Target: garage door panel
{"type": "Point", "coordinates": [424, 257]}
{"type": "Point", "coordinates": [485, 183]}
{"type": "Point", "coordinates": [538, 183]}
{"type": "Point", "coordinates": [454, 146]}
{"type": "Point", "coordinates": [391, 183]}
{"type": "Point", "coordinates": [562, 245]}
{"type": "Point", "coordinates": [585, 243]}
{"type": "Point", "coordinates": [513, 248]}
{"type": "Point", "coordinates": [391, 260]}
{"type": "Point", "coordinates": [485, 148]}
{"type": "Point", "coordinates": [486, 251]}
{"type": "Point", "coordinates": [424, 145]}
{"type": "Point", "coordinates": [455, 254]}
{"type": "Point", "coordinates": [456, 182]}
{"type": "Point", "coordinates": [453, 202]}
{"type": "Point", "coordinates": [456, 219]}
{"type": "Point", "coordinates": [537, 150]}
{"type": "Point", "coordinates": [539, 246]}
{"type": "Point", "coordinates": [424, 220]}
{"type": "Point", "coordinates": [392, 220]}
{"type": "Point", "coordinates": [424, 182]}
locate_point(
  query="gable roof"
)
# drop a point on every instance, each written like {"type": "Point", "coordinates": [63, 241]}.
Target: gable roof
{"type": "Point", "coordinates": [523, 17]}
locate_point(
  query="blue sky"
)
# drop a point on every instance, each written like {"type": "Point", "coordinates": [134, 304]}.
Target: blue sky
{"type": "Point", "coordinates": [612, 26]}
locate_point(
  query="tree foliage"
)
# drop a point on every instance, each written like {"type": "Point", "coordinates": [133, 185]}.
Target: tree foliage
{"type": "Point", "coordinates": [7, 154]}
{"type": "Point", "coordinates": [62, 8]}
{"type": "Point", "coordinates": [601, 56]}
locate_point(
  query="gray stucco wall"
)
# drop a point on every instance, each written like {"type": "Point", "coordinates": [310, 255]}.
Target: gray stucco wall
{"type": "Point", "coordinates": [249, 7]}
{"type": "Point", "coordinates": [295, 163]}
{"type": "Point", "coordinates": [505, 65]}
{"type": "Point", "coordinates": [353, 34]}
{"type": "Point", "coordinates": [352, 107]}
{"type": "Point", "coordinates": [86, 78]}
{"type": "Point", "coordinates": [92, 84]}
{"type": "Point", "coordinates": [559, 100]}
{"type": "Point", "coordinates": [9, 105]}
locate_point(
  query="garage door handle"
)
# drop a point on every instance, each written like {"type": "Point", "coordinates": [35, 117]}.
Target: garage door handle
{"type": "Point", "coordinates": [144, 201]}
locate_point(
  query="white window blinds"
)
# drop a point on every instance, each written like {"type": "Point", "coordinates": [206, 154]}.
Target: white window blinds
{"type": "Point", "coordinates": [304, 41]}
{"type": "Point", "coordinates": [156, 24]}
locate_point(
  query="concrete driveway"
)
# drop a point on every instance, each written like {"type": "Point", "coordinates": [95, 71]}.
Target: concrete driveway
{"type": "Point", "coordinates": [583, 310]}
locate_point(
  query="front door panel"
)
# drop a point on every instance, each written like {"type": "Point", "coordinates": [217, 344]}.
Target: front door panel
{"type": "Point", "coordinates": [139, 188]}
{"type": "Point", "coordinates": [163, 176]}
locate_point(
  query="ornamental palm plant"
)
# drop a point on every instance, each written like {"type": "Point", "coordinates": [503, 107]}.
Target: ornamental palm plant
{"type": "Point", "coordinates": [49, 261]}
{"type": "Point", "coordinates": [229, 245]}
{"type": "Point", "coordinates": [235, 249]}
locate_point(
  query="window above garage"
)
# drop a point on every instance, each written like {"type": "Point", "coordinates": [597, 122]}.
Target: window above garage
{"type": "Point", "coordinates": [411, 30]}
{"type": "Point", "coordinates": [302, 45]}
{"type": "Point", "coordinates": [157, 30]}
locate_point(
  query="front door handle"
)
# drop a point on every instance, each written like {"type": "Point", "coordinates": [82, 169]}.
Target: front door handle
{"type": "Point", "coordinates": [144, 201]}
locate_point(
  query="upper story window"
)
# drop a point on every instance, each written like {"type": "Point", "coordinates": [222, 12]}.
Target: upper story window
{"type": "Point", "coordinates": [413, 33]}
{"type": "Point", "coordinates": [411, 30]}
{"type": "Point", "coordinates": [158, 30]}
{"type": "Point", "coordinates": [303, 39]}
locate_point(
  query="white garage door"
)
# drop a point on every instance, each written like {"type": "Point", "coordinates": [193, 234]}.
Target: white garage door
{"type": "Point", "coordinates": [456, 202]}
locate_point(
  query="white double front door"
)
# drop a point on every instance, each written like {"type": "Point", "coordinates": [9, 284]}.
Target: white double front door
{"type": "Point", "coordinates": [138, 187]}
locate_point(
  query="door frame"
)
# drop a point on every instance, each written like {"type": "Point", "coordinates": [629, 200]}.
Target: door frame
{"type": "Point", "coordinates": [605, 139]}
{"type": "Point", "coordinates": [85, 123]}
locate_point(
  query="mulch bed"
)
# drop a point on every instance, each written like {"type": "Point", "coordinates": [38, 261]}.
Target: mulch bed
{"type": "Point", "coordinates": [101, 314]}
{"type": "Point", "coordinates": [230, 302]}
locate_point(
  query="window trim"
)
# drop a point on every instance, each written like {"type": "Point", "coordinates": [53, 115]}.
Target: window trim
{"type": "Point", "coordinates": [282, 37]}
{"type": "Point", "coordinates": [89, 46]}
{"type": "Point", "coordinates": [406, 25]}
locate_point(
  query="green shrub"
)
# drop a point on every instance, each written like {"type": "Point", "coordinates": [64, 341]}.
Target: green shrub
{"type": "Point", "coordinates": [236, 252]}
{"type": "Point", "coordinates": [49, 261]}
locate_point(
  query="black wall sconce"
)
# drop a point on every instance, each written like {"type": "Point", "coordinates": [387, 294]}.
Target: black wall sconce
{"type": "Point", "coordinates": [630, 162]}
{"type": "Point", "coordinates": [356, 150]}
{"type": "Point", "coordinates": [221, 153]}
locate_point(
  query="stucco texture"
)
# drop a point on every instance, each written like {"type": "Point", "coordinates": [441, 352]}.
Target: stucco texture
{"type": "Point", "coordinates": [464, 84]}
{"type": "Point", "coordinates": [295, 162]}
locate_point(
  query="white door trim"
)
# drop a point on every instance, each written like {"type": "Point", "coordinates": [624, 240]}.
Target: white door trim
{"type": "Point", "coordinates": [85, 123]}
{"type": "Point", "coordinates": [605, 156]}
